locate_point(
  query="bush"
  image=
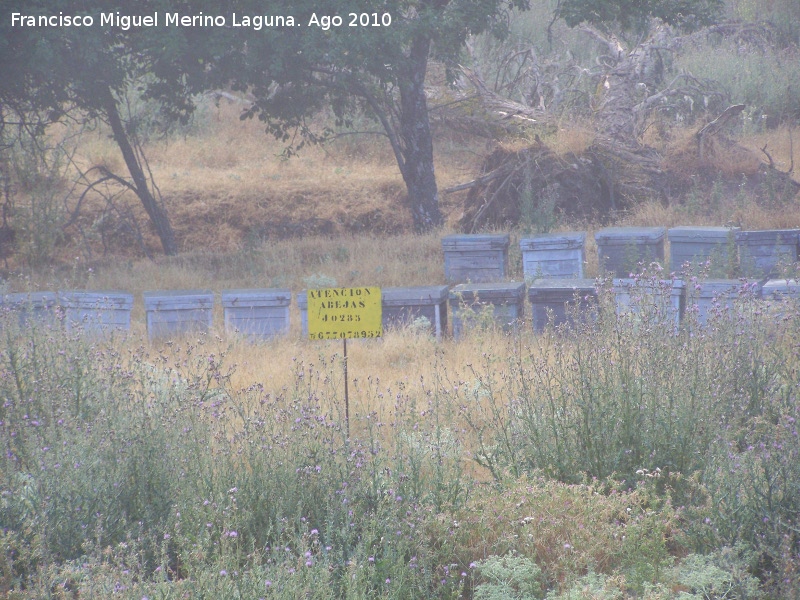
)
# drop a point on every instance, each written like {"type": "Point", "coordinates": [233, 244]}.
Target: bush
{"type": "Point", "coordinates": [766, 80]}
{"type": "Point", "coordinates": [623, 393]}
{"type": "Point", "coordinates": [508, 577]}
{"type": "Point", "coordinates": [36, 190]}
{"type": "Point", "coordinates": [147, 474]}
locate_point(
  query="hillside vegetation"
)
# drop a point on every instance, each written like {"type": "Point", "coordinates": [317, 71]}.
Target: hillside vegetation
{"type": "Point", "coordinates": [227, 187]}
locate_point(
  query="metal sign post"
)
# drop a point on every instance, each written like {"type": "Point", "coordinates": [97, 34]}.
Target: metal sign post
{"type": "Point", "coordinates": [342, 313]}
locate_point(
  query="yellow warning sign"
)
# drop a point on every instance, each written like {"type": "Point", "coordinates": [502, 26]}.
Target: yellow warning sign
{"type": "Point", "coordinates": [340, 313]}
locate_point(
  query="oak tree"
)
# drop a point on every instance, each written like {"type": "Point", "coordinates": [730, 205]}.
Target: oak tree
{"type": "Point", "coordinates": [635, 15]}
{"type": "Point", "coordinates": [369, 57]}
{"type": "Point", "coordinates": [49, 73]}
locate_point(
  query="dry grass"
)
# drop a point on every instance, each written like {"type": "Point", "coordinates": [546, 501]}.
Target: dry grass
{"type": "Point", "coordinates": [730, 185]}
{"type": "Point", "coordinates": [574, 137]}
{"type": "Point", "coordinates": [782, 144]}
{"type": "Point", "coordinates": [402, 361]}
{"type": "Point", "coordinates": [247, 218]}
{"type": "Point", "coordinates": [226, 184]}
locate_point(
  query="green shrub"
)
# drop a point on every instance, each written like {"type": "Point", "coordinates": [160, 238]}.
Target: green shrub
{"type": "Point", "coordinates": [766, 80]}
{"type": "Point", "coordinates": [36, 189]}
{"type": "Point", "coordinates": [148, 473]}
{"type": "Point", "coordinates": [723, 574]}
{"type": "Point", "coordinates": [508, 577]}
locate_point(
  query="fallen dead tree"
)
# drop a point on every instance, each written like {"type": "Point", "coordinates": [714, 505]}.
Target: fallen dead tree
{"type": "Point", "coordinates": [617, 169]}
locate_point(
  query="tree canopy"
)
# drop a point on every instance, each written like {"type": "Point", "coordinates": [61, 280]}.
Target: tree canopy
{"type": "Point", "coordinates": [362, 56]}
{"type": "Point", "coordinates": [634, 15]}
{"type": "Point", "coordinates": [372, 60]}
{"type": "Point", "coordinates": [50, 73]}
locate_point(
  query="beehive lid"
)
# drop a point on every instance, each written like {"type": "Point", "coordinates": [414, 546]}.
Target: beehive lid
{"type": "Point", "coordinates": [546, 289]}
{"type": "Point", "coordinates": [475, 241]}
{"type": "Point", "coordinates": [109, 299]}
{"type": "Point", "coordinates": [34, 299]}
{"type": "Point", "coordinates": [251, 298]}
{"type": "Point", "coordinates": [628, 284]}
{"type": "Point", "coordinates": [769, 236]}
{"type": "Point", "coordinates": [781, 287]}
{"type": "Point", "coordinates": [553, 241]}
{"type": "Point", "coordinates": [716, 287]}
{"type": "Point", "coordinates": [416, 295]}
{"type": "Point", "coordinates": [699, 234]}
{"type": "Point", "coordinates": [178, 299]}
{"type": "Point", "coordinates": [488, 292]}
{"type": "Point", "coordinates": [555, 283]}
{"type": "Point", "coordinates": [629, 235]}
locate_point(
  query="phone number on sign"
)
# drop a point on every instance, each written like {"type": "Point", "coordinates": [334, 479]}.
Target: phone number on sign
{"type": "Point", "coordinates": [374, 19]}
{"type": "Point", "coordinates": [339, 335]}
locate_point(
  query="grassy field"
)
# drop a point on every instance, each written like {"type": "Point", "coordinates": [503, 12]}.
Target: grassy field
{"type": "Point", "coordinates": [613, 461]}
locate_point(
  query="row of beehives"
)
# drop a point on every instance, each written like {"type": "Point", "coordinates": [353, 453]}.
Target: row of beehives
{"type": "Point", "coordinates": [622, 251]}
{"type": "Point", "coordinates": [265, 313]}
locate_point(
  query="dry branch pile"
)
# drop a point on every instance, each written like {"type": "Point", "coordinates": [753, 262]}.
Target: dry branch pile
{"type": "Point", "coordinates": [618, 169]}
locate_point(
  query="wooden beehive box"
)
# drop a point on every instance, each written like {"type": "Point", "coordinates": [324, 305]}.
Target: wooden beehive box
{"type": "Point", "coordinates": [716, 298]}
{"type": "Point", "coordinates": [505, 303]}
{"type": "Point", "coordinates": [778, 289]}
{"type": "Point", "coordinates": [762, 253]}
{"type": "Point", "coordinates": [621, 250]}
{"type": "Point", "coordinates": [32, 308]}
{"type": "Point", "coordinates": [659, 301]}
{"type": "Point", "coordinates": [302, 304]}
{"type": "Point", "coordinates": [475, 258]}
{"type": "Point", "coordinates": [402, 305]}
{"type": "Point", "coordinates": [553, 255]}
{"type": "Point", "coordinates": [258, 314]}
{"type": "Point", "coordinates": [696, 245]}
{"type": "Point", "coordinates": [96, 312]}
{"type": "Point", "coordinates": [560, 299]}
{"type": "Point", "coordinates": [175, 313]}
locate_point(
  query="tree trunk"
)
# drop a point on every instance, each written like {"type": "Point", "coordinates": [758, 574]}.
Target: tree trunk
{"type": "Point", "coordinates": [415, 131]}
{"type": "Point", "coordinates": [158, 216]}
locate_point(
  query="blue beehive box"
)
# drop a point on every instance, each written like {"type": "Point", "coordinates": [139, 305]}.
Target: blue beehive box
{"type": "Point", "coordinates": [506, 301]}
{"type": "Point", "coordinates": [475, 257]}
{"type": "Point", "coordinates": [553, 255]}
{"type": "Point", "coordinates": [621, 250]}
{"type": "Point", "coordinates": [96, 312]}
{"type": "Point", "coordinates": [177, 313]}
{"type": "Point", "coordinates": [258, 314]}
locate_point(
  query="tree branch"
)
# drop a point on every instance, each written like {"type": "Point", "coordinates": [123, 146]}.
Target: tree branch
{"type": "Point", "coordinates": [362, 91]}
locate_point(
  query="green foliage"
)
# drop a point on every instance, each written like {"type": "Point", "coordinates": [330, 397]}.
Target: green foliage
{"type": "Point", "coordinates": [634, 15]}
{"type": "Point", "coordinates": [752, 482]}
{"type": "Point", "coordinates": [508, 577]}
{"type": "Point", "coordinates": [766, 79]}
{"type": "Point", "coordinates": [783, 15]}
{"type": "Point", "coordinates": [36, 192]}
{"type": "Point", "coordinates": [721, 575]}
{"type": "Point", "coordinates": [378, 71]}
{"type": "Point", "coordinates": [594, 586]}
{"type": "Point", "coordinates": [361, 53]}
{"type": "Point", "coordinates": [537, 214]}
{"type": "Point", "coordinates": [51, 74]}
{"type": "Point", "coordinates": [624, 393]}
{"type": "Point", "coordinates": [146, 474]}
